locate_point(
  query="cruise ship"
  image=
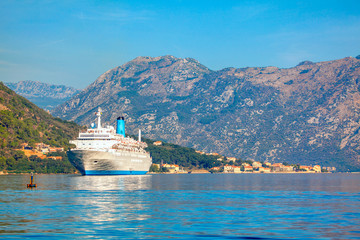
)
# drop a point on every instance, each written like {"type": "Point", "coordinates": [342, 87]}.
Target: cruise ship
{"type": "Point", "coordinates": [107, 151]}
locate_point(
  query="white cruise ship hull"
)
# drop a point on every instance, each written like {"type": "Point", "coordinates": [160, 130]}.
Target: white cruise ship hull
{"type": "Point", "coordinates": [94, 162]}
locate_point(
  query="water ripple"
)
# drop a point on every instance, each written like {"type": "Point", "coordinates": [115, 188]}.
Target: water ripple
{"type": "Point", "coordinates": [212, 206]}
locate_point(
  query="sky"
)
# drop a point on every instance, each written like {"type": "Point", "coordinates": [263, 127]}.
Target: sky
{"type": "Point", "coordinates": [73, 42]}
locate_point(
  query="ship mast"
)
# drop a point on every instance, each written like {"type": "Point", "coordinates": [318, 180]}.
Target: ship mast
{"type": "Point", "coordinates": [98, 114]}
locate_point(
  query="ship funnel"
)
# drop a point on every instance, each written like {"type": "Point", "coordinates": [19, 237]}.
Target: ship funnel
{"type": "Point", "coordinates": [120, 126]}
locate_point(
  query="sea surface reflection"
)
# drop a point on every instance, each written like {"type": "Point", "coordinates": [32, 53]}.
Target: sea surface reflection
{"type": "Point", "coordinates": [109, 183]}
{"type": "Point", "coordinates": [189, 206]}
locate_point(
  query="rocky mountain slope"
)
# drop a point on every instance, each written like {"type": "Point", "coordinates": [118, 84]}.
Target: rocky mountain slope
{"type": "Point", "coordinates": [308, 114]}
{"type": "Point", "coordinates": [44, 95]}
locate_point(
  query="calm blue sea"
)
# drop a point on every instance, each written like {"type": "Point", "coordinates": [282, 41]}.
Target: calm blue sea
{"type": "Point", "coordinates": [188, 206]}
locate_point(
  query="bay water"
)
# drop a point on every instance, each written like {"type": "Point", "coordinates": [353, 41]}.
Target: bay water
{"type": "Point", "coordinates": [183, 206]}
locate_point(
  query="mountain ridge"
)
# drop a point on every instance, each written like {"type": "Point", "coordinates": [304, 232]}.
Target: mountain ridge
{"type": "Point", "coordinates": [44, 95]}
{"type": "Point", "coordinates": [306, 114]}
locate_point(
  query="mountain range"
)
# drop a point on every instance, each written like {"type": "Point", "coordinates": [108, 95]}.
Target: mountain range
{"type": "Point", "coordinates": [44, 95]}
{"type": "Point", "coordinates": [307, 114]}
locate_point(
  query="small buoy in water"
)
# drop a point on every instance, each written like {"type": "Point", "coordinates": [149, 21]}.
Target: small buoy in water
{"type": "Point", "coordinates": [32, 184]}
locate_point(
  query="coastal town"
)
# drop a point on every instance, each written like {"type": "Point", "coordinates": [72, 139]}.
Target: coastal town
{"type": "Point", "coordinates": [236, 165]}
{"type": "Point", "coordinates": [41, 150]}
{"type": "Point", "coordinates": [228, 164]}
{"type": "Point", "coordinates": [254, 167]}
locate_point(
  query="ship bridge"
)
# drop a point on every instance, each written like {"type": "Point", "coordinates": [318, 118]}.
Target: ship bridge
{"type": "Point", "coordinates": [96, 134]}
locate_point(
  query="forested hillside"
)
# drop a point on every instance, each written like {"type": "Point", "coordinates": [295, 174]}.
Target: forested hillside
{"type": "Point", "coordinates": [183, 156]}
{"type": "Point", "coordinates": [23, 122]}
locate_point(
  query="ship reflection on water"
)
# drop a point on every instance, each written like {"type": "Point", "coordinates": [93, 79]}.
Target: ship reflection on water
{"type": "Point", "coordinates": [112, 199]}
{"type": "Point", "coordinates": [112, 182]}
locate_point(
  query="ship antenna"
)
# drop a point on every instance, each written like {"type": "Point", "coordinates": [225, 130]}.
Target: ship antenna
{"type": "Point", "coordinates": [98, 114]}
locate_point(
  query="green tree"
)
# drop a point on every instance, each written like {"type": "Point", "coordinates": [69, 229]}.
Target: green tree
{"type": "Point", "coordinates": [164, 169]}
{"type": "Point", "coordinates": [2, 162]}
{"type": "Point", "coordinates": [154, 168]}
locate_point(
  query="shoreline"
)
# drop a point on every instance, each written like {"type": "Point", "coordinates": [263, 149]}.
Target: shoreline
{"type": "Point", "coordinates": [177, 173]}
{"type": "Point", "coordinates": [154, 173]}
{"type": "Point", "coordinates": [3, 174]}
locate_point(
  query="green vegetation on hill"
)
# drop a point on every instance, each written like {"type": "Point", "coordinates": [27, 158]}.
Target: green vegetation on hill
{"type": "Point", "coordinates": [23, 122]}
{"type": "Point", "coordinates": [182, 156]}
{"type": "Point", "coordinates": [19, 163]}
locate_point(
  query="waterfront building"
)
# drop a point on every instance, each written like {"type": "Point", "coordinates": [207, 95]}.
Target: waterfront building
{"type": "Point", "coordinates": [173, 168]}
{"type": "Point", "coordinates": [307, 168]}
{"type": "Point", "coordinates": [317, 168]}
{"type": "Point", "coordinates": [330, 169]}
{"type": "Point", "coordinates": [287, 169]}
{"type": "Point", "coordinates": [248, 169]}
{"type": "Point", "coordinates": [228, 169]}
{"type": "Point", "coordinates": [277, 167]}
{"type": "Point", "coordinates": [256, 164]}
{"type": "Point", "coordinates": [237, 169]}
{"type": "Point", "coordinates": [264, 170]}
